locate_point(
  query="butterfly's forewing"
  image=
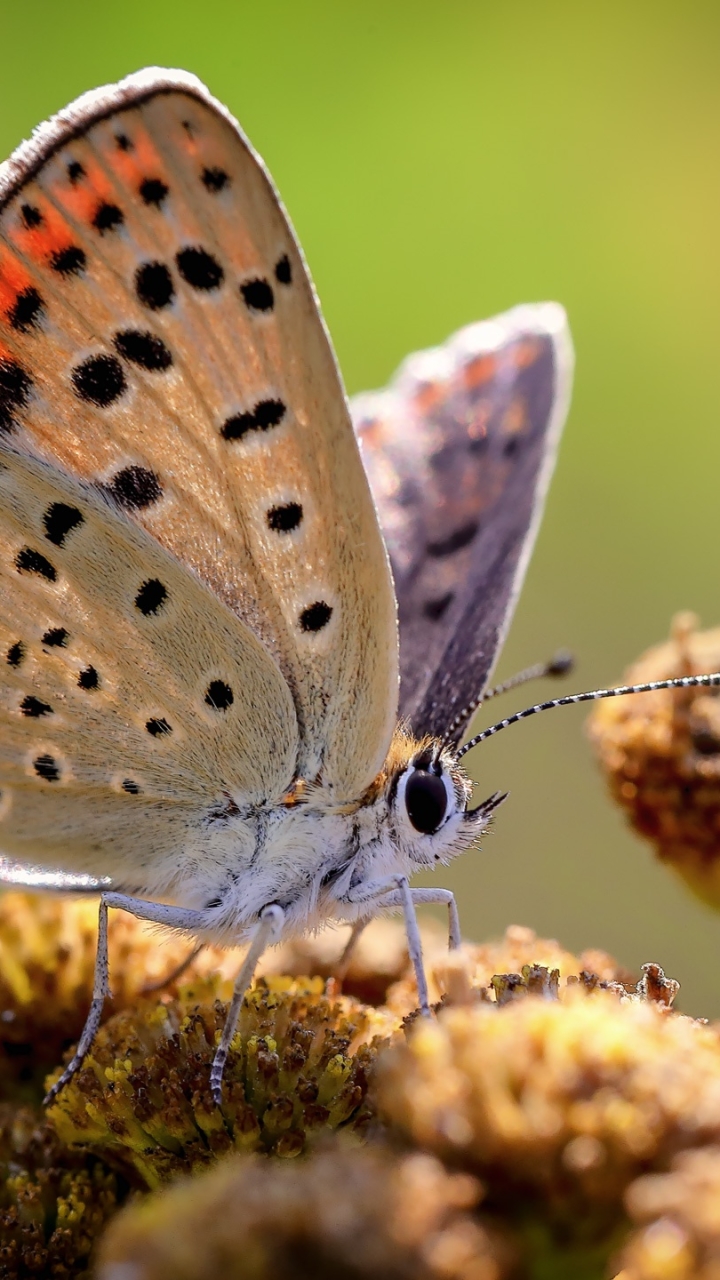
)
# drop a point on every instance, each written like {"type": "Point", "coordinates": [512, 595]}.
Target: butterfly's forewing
{"type": "Point", "coordinates": [112, 751]}
{"type": "Point", "coordinates": [159, 337]}
{"type": "Point", "coordinates": [459, 451]}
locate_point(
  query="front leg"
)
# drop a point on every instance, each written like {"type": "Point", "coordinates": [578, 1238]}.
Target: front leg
{"type": "Point", "coordinates": [394, 891]}
{"type": "Point", "coordinates": [157, 913]}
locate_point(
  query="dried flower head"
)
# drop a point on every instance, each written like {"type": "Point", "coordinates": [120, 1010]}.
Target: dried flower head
{"type": "Point", "coordinates": [299, 1064]}
{"type": "Point", "coordinates": [53, 1202]}
{"type": "Point", "coordinates": [680, 1215]}
{"type": "Point", "coordinates": [356, 1213]}
{"type": "Point", "coordinates": [471, 973]}
{"type": "Point", "coordinates": [661, 754]}
{"type": "Point", "coordinates": [557, 1105]}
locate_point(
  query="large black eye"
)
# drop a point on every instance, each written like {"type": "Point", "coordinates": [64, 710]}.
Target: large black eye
{"type": "Point", "coordinates": [426, 801]}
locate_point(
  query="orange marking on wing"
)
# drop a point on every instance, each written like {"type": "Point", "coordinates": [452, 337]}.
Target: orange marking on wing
{"type": "Point", "coordinates": [477, 427]}
{"type": "Point", "coordinates": [514, 419]}
{"type": "Point", "coordinates": [143, 161]}
{"type": "Point", "coordinates": [39, 243]}
{"type": "Point", "coordinates": [6, 353]}
{"type": "Point", "coordinates": [527, 352]}
{"type": "Point", "coordinates": [14, 278]}
{"type": "Point", "coordinates": [479, 371]}
{"type": "Point", "coordinates": [188, 143]}
{"type": "Point", "coordinates": [82, 200]}
{"type": "Point", "coordinates": [428, 396]}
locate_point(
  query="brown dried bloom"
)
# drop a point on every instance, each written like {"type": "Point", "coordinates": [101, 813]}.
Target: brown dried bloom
{"type": "Point", "coordinates": [680, 1213]}
{"type": "Point", "coordinates": [556, 1105]}
{"type": "Point", "coordinates": [53, 1202]}
{"type": "Point", "coordinates": [344, 1212]}
{"type": "Point", "coordinates": [454, 976]}
{"type": "Point", "coordinates": [299, 1063]}
{"type": "Point", "coordinates": [661, 754]}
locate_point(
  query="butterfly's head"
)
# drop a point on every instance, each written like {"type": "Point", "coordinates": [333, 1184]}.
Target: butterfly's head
{"type": "Point", "coordinates": [427, 793]}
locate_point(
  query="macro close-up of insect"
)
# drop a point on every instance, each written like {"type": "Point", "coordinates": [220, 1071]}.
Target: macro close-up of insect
{"type": "Point", "coordinates": [253, 631]}
{"type": "Point", "coordinates": [217, 720]}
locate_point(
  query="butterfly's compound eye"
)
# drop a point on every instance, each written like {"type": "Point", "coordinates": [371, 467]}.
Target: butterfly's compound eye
{"type": "Point", "coordinates": [426, 800]}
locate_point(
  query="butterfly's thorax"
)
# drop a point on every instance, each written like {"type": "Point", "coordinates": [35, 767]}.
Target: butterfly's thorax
{"type": "Point", "coordinates": [310, 852]}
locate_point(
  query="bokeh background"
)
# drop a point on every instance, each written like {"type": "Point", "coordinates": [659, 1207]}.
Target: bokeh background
{"type": "Point", "coordinates": [441, 162]}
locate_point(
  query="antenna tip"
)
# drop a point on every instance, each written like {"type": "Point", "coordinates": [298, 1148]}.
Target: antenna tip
{"type": "Point", "coordinates": [561, 663]}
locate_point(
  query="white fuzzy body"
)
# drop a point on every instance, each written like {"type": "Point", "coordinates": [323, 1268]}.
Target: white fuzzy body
{"type": "Point", "coordinates": [307, 858]}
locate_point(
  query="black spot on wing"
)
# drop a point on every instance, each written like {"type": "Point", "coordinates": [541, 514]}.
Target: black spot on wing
{"type": "Point", "coordinates": [122, 142]}
{"type": "Point", "coordinates": [266, 414]}
{"type": "Point", "coordinates": [99, 380]}
{"type": "Point", "coordinates": [154, 285]}
{"type": "Point", "coordinates": [75, 172]}
{"type": "Point", "coordinates": [55, 638]}
{"type": "Point", "coordinates": [30, 216]}
{"type": "Point", "coordinates": [15, 387]}
{"type": "Point", "coordinates": [134, 488]}
{"type": "Point", "coordinates": [59, 520]}
{"type": "Point", "coordinates": [283, 270]}
{"type": "Point", "coordinates": [88, 679]}
{"type": "Point", "coordinates": [219, 695]}
{"type": "Point", "coordinates": [15, 654]}
{"type": "Point", "coordinates": [130, 787]}
{"type": "Point", "coordinates": [435, 609]}
{"type": "Point", "coordinates": [199, 269]}
{"type": "Point", "coordinates": [285, 518]}
{"type": "Point", "coordinates": [34, 708]}
{"type": "Point", "coordinates": [153, 191]}
{"type": "Point", "coordinates": [151, 597]}
{"type": "Point", "coordinates": [214, 179]}
{"type": "Point", "coordinates": [26, 311]}
{"type": "Point", "coordinates": [454, 541]}
{"type": "Point", "coordinates": [30, 561]}
{"type": "Point", "coordinates": [144, 349]}
{"type": "Point", "coordinates": [46, 767]}
{"type": "Point", "coordinates": [157, 727]}
{"type": "Point", "coordinates": [257, 295]}
{"type": "Point", "coordinates": [315, 616]}
{"type": "Point", "coordinates": [107, 217]}
{"type": "Point", "coordinates": [69, 261]}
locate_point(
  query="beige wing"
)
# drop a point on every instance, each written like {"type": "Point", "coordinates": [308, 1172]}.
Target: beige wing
{"type": "Point", "coordinates": [132, 700]}
{"type": "Point", "coordinates": [160, 338]}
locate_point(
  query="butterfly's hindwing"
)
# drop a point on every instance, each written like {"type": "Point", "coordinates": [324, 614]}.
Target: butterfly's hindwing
{"type": "Point", "coordinates": [160, 339]}
{"type": "Point", "coordinates": [127, 687]}
{"type": "Point", "coordinates": [459, 451]}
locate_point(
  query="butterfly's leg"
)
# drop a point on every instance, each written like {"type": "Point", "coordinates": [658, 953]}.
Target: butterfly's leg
{"type": "Point", "coordinates": [271, 922]}
{"type": "Point", "coordinates": [101, 990]}
{"type": "Point", "coordinates": [394, 891]}
{"type": "Point", "coordinates": [445, 898]}
{"type": "Point", "coordinates": [341, 968]}
{"type": "Point", "coordinates": [157, 913]}
{"type": "Point", "coordinates": [174, 974]}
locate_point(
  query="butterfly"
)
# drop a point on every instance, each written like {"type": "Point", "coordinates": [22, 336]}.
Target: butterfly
{"type": "Point", "coordinates": [243, 625]}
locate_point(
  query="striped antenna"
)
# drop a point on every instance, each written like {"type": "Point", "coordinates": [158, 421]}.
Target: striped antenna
{"type": "Point", "coordinates": [560, 664]}
{"type": "Point", "coordinates": [683, 682]}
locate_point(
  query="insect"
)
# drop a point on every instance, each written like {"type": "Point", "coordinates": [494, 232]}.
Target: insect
{"type": "Point", "coordinates": [201, 638]}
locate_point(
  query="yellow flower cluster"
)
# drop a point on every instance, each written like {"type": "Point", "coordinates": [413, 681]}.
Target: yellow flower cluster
{"type": "Point", "coordinates": [556, 1116]}
{"type": "Point", "coordinates": [298, 1063]}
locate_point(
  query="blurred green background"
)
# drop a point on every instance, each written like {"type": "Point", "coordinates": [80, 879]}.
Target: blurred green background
{"type": "Point", "coordinates": [442, 162]}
